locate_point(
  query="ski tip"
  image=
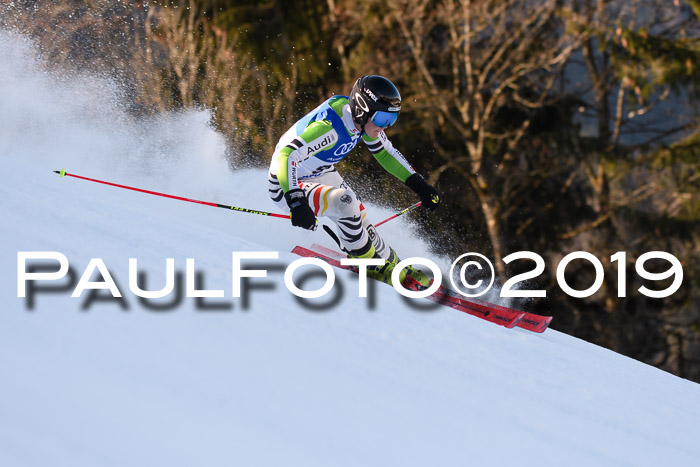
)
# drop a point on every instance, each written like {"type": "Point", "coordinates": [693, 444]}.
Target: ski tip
{"type": "Point", "coordinates": [535, 323]}
{"type": "Point", "coordinates": [545, 324]}
{"type": "Point", "coordinates": [515, 321]}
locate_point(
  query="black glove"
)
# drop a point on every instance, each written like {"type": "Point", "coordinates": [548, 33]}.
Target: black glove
{"type": "Point", "coordinates": [427, 193]}
{"type": "Point", "coordinates": [301, 213]}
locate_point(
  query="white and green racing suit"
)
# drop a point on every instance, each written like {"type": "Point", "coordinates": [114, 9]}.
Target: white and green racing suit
{"type": "Point", "coordinates": [305, 157]}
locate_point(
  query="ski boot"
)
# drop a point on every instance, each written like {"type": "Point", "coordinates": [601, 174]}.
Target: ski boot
{"type": "Point", "coordinates": [422, 279]}
{"type": "Point", "coordinates": [381, 273]}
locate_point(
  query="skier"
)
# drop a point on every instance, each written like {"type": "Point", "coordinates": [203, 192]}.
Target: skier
{"type": "Point", "coordinates": [303, 179]}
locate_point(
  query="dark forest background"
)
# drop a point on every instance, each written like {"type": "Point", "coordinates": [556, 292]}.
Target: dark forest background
{"type": "Point", "coordinates": [548, 125]}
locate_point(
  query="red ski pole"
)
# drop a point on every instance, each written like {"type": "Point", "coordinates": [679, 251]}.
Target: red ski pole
{"type": "Point", "coordinates": [410, 208]}
{"type": "Point", "coordinates": [63, 173]}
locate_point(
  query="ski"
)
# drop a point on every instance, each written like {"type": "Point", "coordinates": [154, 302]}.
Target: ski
{"type": "Point", "coordinates": [507, 318]}
{"type": "Point", "coordinates": [529, 321]}
{"type": "Point", "coordinates": [482, 309]}
{"type": "Point", "coordinates": [503, 316]}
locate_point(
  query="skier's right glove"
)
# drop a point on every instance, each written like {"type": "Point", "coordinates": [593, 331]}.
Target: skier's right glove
{"type": "Point", "coordinates": [302, 215]}
{"type": "Point", "coordinates": [427, 193]}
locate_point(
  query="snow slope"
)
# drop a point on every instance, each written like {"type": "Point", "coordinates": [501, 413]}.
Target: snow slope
{"type": "Point", "coordinates": [92, 383]}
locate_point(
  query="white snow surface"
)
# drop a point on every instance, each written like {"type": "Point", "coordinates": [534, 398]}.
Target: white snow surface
{"type": "Point", "coordinates": [92, 384]}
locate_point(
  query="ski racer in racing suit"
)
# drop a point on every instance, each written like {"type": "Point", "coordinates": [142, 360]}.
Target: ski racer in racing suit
{"type": "Point", "coordinates": [303, 179]}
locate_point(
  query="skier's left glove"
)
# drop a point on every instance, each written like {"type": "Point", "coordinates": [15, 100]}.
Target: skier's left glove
{"type": "Point", "coordinates": [301, 213]}
{"type": "Point", "coordinates": [427, 193]}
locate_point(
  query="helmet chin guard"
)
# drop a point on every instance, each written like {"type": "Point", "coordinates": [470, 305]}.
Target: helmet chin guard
{"type": "Point", "coordinates": [371, 94]}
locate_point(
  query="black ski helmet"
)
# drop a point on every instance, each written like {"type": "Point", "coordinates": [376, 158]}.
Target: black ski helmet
{"type": "Point", "coordinates": [370, 94]}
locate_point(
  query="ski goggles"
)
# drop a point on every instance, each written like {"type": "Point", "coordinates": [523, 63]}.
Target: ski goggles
{"type": "Point", "coordinates": [384, 119]}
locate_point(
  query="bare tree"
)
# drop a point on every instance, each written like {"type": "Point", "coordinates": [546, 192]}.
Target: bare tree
{"type": "Point", "coordinates": [476, 59]}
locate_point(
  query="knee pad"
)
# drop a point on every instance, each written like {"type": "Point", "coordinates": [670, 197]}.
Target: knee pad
{"type": "Point", "coordinates": [343, 203]}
